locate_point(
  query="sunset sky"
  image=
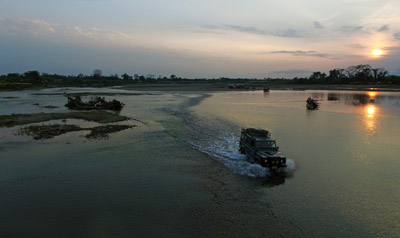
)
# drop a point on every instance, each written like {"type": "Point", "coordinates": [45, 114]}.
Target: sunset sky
{"type": "Point", "coordinates": [197, 39]}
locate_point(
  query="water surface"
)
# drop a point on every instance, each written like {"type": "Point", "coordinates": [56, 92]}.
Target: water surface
{"type": "Point", "coordinates": [346, 154]}
{"type": "Point", "coordinates": [179, 174]}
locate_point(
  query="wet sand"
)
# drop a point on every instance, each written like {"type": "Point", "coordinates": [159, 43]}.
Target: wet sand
{"type": "Point", "coordinates": [40, 132]}
{"type": "Point", "coordinates": [97, 116]}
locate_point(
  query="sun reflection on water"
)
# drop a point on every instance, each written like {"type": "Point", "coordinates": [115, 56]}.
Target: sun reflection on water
{"type": "Point", "coordinates": [371, 111]}
{"type": "Point", "coordinates": [370, 120]}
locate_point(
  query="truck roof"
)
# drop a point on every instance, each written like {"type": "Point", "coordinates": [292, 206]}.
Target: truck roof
{"type": "Point", "coordinates": [256, 132]}
{"type": "Point", "coordinates": [262, 139]}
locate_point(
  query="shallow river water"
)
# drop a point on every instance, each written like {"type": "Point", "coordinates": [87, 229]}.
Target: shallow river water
{"type": "Point", "coordinates": [178, 173]}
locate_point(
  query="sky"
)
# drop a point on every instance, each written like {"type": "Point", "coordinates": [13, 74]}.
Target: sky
{"type": "Point", "coordinates": [198, 39]}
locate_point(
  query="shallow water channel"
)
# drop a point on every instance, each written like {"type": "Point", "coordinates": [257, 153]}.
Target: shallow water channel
{"type": "Point", "coordinates": [178, 172]}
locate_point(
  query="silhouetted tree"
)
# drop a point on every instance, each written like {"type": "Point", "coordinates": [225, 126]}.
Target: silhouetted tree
{"type": "Point", "coordinates": [126, 77]}
{"type": "Point", "coordinates": [150, 76]}
{"type": "Point", "coordinates": [336, 73]}
{"type": "Point", "coordinates": [114, 77]}
{"type": "Point", "coordinates": [97, 73]}
{"type": "Point", "coordinates": [361, 73]}
{"type": "Point", "coordinates": [317, 77]}
{"type": "Point", "coordinates": [336, 76]}
{"type": "Point", "coordinates": [380, 73]}
{"type": "Point", "coordinates": [33, 76]}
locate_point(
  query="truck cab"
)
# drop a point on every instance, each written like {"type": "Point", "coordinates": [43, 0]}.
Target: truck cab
{"type": "Point", "coordinates": [260, 148]}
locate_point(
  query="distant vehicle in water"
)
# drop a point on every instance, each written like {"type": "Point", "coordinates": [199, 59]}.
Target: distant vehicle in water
{"type": "Point", "coordinates": [266, 89]}
{"type": "Point", "coordinates": [312, 104]}
{"type": "Point", "coordinates": [260, 148]}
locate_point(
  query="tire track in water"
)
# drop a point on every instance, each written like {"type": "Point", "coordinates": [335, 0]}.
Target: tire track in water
{"type": "Point", "coordinates": [218, 138]}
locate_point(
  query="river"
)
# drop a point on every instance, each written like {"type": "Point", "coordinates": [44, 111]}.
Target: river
{"type": "Point", "coordinates": [178, 173]}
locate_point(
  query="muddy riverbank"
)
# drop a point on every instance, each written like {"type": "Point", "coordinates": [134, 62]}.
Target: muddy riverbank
{"type": "Point", "coordinates": [40, 132]}
{"type": "Point", "coordinates": [96, 116]}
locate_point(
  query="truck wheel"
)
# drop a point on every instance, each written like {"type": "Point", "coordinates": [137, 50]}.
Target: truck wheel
{"type": "Point", "coordinates": [241, 150]}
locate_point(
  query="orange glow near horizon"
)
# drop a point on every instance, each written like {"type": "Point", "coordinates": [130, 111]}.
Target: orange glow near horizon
{"type": "Point", "coordinates": [371, 95]}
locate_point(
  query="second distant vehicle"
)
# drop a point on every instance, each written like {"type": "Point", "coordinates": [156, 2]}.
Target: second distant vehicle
{"type": "Point", "coordinates": [312, 104]}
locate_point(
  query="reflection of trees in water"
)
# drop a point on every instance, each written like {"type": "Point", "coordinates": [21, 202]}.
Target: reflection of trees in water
{"type": "Point", "coordinates": [392, 98]}
{"type": "Point", "coordinates": [360, 99]}
{"type": "Point", "coordinates": [333, 97]}
{"type": "Point", "coordinates": [319, 96]}
{"type": "Point", "coordinates": [352, 99]}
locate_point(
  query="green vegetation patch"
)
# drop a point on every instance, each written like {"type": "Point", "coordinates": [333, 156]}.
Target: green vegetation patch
{"type": "Point", "coordinates": [14, 86]}
{"type": "Point", "coordinates": [102, 132]}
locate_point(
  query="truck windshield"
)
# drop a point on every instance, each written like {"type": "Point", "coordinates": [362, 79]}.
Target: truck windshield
{"type": "Point", "coordinates": [266, 144]}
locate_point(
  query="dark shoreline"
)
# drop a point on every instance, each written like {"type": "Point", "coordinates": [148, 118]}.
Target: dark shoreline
{"type": "Point", "coordinates": [215, 87]}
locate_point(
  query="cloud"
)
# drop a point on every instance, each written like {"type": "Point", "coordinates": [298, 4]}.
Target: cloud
{"type": "Point", "coordinates": [392, 49]}
{"type": "Point", "coordinates": [290, 33]}
{"type": "Point", "coordinates": [210, 29]}
{"type": "Point", "coordinates": [383, 28]}
{"type": "Point", "coordinates": [292, 72]}
{"type": "Point", "coordinates": [397, 36]}
{"type": "Point", "coordinates": [41, 29]}
{"type": "Point", "coordinates": [214, 27]}
{"type": "Point", "coordinates": [357, 46]}
{"type": "Point", "coordinates": [40, 24]}
{"type": "Point", "coordinates": [318, 25]}
{"type": "Point", "coordinates": [247, 29]}
{"type": "Point", "coordinates": [310, 53]}
{"type": "Point", "coordinates": [26, 26]}
{"type": "Point", "coordinates": [287, 33]}
{"type": "Point", "coordinates": [352, 28]}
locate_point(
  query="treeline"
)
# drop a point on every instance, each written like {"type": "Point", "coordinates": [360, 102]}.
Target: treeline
{"type": "Point", "coordinates": [359, 74]}
{"type": "Point", "coordinates": [32, 79]}
{"type": "Point", "coordinates": [36, 78]}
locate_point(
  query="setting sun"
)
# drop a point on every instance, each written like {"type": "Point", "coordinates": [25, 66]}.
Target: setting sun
{"type": "Point", "coordinates": [377, 53]}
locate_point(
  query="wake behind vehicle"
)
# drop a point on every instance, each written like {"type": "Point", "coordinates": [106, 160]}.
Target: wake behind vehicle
{"type": "Point", "coordinates": [260, 148]}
